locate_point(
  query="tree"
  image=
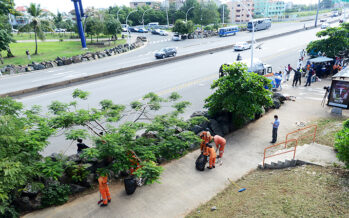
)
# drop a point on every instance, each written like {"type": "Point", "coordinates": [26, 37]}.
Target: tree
{"type": "Point", "coordinates": [36, 14]}
{"type": "Point", "coordinates": [226, 13]}
{"type": "Point", "coordinates": [5, 40]}
{"type": "Point", "coordinates": [333, 41]}
{"type": "Point", "coordinates": [180, 27]}
{"type": "Point", "coordinates": [206, 13]}
{"type": "Point", "coordinates": [187, 5]}
{"type": "Point", "coordinates": [94, 26]}
{"type": "Point", "coordinates": [342, 143]}
{"type": "Point", "coordinates": [239, 92]}
{"type": "Point", "coordinates": [112, 26]}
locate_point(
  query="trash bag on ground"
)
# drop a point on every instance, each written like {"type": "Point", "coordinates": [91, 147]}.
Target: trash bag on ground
{"type": "Point", "coordinates": [200, 163]}
{"type": "Point", "coordinates": [130, 184]}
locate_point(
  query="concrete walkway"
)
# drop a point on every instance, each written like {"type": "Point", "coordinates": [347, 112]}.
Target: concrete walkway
{"type": "Point", "coordinates": [182, 187]}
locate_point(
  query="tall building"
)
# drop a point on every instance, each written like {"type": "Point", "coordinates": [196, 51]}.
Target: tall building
{"type": "Point", "coordinates": [238, 13]}
{"type": "Point", "coordinates": [269, 8]}
{"type": "Point", "coordinates": [140, 3]}
{"type": "Point", "coordinates": [178, 3]}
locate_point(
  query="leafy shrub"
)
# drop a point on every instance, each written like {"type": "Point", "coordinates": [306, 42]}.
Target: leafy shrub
{"type": "Point", "coordinates": [55, 194]}
{"type": "Point", "coordinates": [50, 169]}
{"type": "Point", "coordinates": [149, 171]}
{"type": "Point", "coordinates": [342, 143]}
{"type": "Point", "coordinates": [239, 92]}
{"type": "Point", "coordinates": [77, 172]}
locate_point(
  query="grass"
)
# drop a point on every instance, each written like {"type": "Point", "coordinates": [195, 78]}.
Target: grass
{"type": "Point", "coordinates": [53, 35]}
{"type": "Point", "coordinates": [326, 131]}
{"type": "Point", "coordinates": [49, 51]}
{"type": "Point", "coordinates": [308, 13]}
{"type": "Point", "coordinates": [306, 191]}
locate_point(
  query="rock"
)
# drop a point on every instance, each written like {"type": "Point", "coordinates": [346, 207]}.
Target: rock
{"type": "Point", "coordinates": [194, 146]}
{"type": "Point", "coordinates": [200, 113]}
{"type": "Point", "coordinates": [67, 61]}
{"type": "Point", "coordinates": [76, 59]}
{"type": "Point", "coordinates": [9, 70]}
{"type": "Point", "coordinates": [49, 65]}
{"type": "Point", "coordinates": [150, 134]}
{"type": "Point", "coordinates": [84, 59]}
{"type": "Point", "coordinates": [76, 188]}
{"type": "Point", "coordinates": [30, 191]}
{"type": "Point", "coordinates": [75, 158]}
{"type": "Point", "coordinates": [215, 127]}
{"type": "Point", "coordinates": [213, 208]}
{"type": "Point", "coordinates": [91, 179]}
{"type": "Point", "coordinates": [225, 128]}
{"type": "Point", "coordinates": [25, 203]}
{"type": "Point", "coordinates": [196, 129]}
{"type": "Point", "coordinates": [39, 67]}
{"type": "Point", "coordinates": [59, 63]}
{"type": "Point", "coordinates": [276, 103]}
{"type": "Point", "coordinates": [29, 68]}
{"type": "Point", "coordinates": [59, 59]}
{"type": "Point", "coordinates": [56, 156]}
{"type": "Point", "coordinates": [19, 69]}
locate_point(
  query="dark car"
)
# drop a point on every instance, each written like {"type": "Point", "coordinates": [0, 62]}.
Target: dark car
{"type": "Point", "coordinates": [142, 30]}
{"type": "Point", "coordinates": [155, 31]}
{"type": "Point", "coordinates": [166, 52]}
{"type": "Point", "coordinates": [133, 29]}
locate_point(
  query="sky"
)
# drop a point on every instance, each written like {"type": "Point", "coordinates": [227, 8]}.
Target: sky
{"type": "Point", "coordinates": [67, 5]}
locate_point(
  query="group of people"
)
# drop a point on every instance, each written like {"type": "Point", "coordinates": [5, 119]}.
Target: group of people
{"type": "Point", "coordinates": [208, 150]}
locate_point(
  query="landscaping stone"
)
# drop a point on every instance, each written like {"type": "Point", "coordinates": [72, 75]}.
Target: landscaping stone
{"type": "Point", "coordinates": [76, 59]}
{"type": "Point", "coordinates": [9, 70]}
{"type": "Point", "coordinates": [215, 127]}
{"type": "Point", "coordinates": [67, 61]}
{"type": "Point", "coordinates": [29, 191]}
{"type": "Point", "coordinates": [29, 68]}
{"type": "Point", "coordinates": [76, 188]}
{"type": "Point", "coordinates": [59, 63]}
{"type": "Point", "coordinates": [25, 203]}
{"type": "Point", "coordinates": [38, 67]}
{"type": "Point", "coordinates": [75, 158]}
{"type": "Point", "coordinates": [196, 129]}
{"type": "Point", "coordinates": [199, 113]}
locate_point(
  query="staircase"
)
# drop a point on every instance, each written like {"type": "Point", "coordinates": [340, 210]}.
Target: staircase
{"type": "Point", "coordinates": [313, 153]}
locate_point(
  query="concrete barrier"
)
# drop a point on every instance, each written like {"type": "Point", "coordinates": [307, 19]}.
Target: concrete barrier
{"type": "Point", "coordinates": [124, 70]}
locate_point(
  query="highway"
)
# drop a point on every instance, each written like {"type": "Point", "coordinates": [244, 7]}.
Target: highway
{"type": "Point", "coordinates": [139, 56]}
{"type": "Point", "coordinates": [191, 78]}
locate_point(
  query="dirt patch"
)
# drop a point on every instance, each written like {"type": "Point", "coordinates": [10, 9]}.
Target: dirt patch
{"type": "Point", "coordinates": [306, 191]}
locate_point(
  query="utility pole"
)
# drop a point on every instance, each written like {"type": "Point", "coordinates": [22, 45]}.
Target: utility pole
{"type": "Point", "coordinates": [317, 12]}
{"type": "Point", "coordinates": [167, 6]}
{"type": "Point", "coordinates": [223, 14]}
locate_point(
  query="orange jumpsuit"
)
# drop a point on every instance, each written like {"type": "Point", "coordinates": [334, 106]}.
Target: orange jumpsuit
{"type": "Point", "coordinates": [104, 189]}
{"type": "Point", "coordinates": [212, 154]}
{"type": "Point", "coordinates": [220, 144]}
{"type": "Point", "coordinates": [206, 138]}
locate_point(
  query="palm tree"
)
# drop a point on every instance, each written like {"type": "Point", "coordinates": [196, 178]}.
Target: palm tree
{"type": "Point", "coordinates": [36, 14]}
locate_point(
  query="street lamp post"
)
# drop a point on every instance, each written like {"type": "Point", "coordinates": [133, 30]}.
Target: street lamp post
{"type": "Point", "coordinates": [223, 15]}
{"type": "Point", "coordinates": [317, 12]}
{"type": "Point", "coordinates": [129, 33]}
{"type": "Point", "coordinates": [186, 14]}
{"type": "Point", "coordinates": [117, 14]}
{"type": "Point", "coordinates": [252, 40]}
{"type": "Point", "coordinates": [143, 16]}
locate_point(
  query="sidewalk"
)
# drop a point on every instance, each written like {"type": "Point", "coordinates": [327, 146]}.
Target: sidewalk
{"type": "Point", "coordinates": [182, 187]}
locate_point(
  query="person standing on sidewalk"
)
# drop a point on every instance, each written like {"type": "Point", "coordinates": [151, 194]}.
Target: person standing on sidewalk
{"type": "Point", "coordinates": [104, 188]}
{"type": "Point", "coordinates": [309, 76]}
{"type": "Point", "coordinates": [211, 152]}
{"type": "Point", "coordinates": [276, 124]}
{"type": "Point", "coordinates": [220, 144]}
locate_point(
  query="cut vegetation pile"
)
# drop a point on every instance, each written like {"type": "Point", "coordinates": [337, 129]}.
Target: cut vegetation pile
{"type": "Point", "coordinates": [306, 191]}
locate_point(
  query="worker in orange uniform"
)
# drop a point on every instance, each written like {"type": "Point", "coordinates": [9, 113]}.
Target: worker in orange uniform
{"type": "Point", "coordinates": [212, 153]}
{"type": "Point", "coordinates": [104, 189]}
{"type": "Point", "coordinates": [206, 138]}
{"type": "Point", "coordinates": [220, 144]}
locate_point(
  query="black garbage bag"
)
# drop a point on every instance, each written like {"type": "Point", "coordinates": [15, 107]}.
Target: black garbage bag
{"type": "Point", "coordinates": [130, 184]}
{"type": "Point", "coordinates": [200, 163]}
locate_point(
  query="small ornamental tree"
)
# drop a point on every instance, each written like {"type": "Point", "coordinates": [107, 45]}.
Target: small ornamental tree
{"type": "Point", "coordinates": [342, 144]}
{"type": "Point", "coordinates": [241, 93]}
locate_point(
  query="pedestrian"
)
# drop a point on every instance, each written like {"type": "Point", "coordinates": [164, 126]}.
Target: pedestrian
{"type": "Point", "coordinates": [1, 59]}
{"type": "Point", "coordinates": [285, 74]}
{"type": "Point", "coordinates": [309, 76]}
{"type": "Point", "coordinates": [276, 124]}
{"type": "Point", "coordinates": [81, 146]}
{"type": "Point", "coordinates": [289, 71]}
{"type": "Point", "coordinates": [28, 54]}
{"type": "Point", "coordinates": [220, 144]}
{"type": "Point", "coordinates": [238, 58]}
{"type": "Point", "coordinates": [206, 138]}
{"type": "Point", "coordinates": [296, 78]}
{"type": "Point", "coordinates": [104, 189]}
{"type": "Point", "coordinates": [211, 152]}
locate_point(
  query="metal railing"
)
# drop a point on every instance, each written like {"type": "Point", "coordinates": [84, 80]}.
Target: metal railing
{"type": "Point", "coordinates": [305, 136]}
{"type": "Point", "coordinates": [291, 140]}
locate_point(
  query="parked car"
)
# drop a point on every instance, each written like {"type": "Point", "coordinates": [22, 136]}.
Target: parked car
{"type": "Point", "coordinates": [240, 46]}
{"type": "Point", "coordinates": [341, 20]}
{"type": "Point", "coordinates": [325, 26]}
{"type": "Point", "coordinates": [323, 20]}
{"type": "Point", "coordinates": [176, 37]}
{"type": "Point", "coordinates": [166, 52]}
{"type": "Point", "coordinates": [163, 33]}
{"type": "Point", "coordinates": [142, 30]}
{"type": "Point", "coordinates": [156, 31]}
{"type": "Point", "coordinates": [14, 31]}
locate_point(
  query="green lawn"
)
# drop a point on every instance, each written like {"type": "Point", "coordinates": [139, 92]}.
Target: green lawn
{"type": "Point", "coordinates": [49, 51]}
{"type": "Point", "coordinates": [53, 35]}
{"type": "Point", "coordinates": [308, 13]}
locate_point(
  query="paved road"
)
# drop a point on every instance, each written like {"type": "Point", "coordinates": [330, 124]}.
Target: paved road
{"type": "Point", "coordinates": [191, 78]}
{"type": "Point", "coordinates": [143, 55]}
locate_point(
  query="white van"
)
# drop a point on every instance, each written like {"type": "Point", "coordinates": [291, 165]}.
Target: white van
{"type": "Point", "coordinates": [153, 25]}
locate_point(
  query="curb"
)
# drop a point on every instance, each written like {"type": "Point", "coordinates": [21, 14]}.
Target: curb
{"type": "Point", "coordinates": [124, 70]}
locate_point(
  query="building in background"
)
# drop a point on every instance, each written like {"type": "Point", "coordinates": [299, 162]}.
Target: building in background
{"type": "Point", "coordinates": [269, 8]}
{"type": "Point", "coordinates": [289, 5]}
{"type": "Point", "coordinates": [140, 3]}
{"type": "Point", "coordinates": [238, 13]}
{"type": "Point", "coordinates": [178, 3]}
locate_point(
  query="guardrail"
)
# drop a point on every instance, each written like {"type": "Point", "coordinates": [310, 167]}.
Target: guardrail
{"type": "Point", "coordinates": [291, 140]}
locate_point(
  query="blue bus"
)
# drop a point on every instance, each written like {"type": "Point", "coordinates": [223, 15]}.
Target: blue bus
{"type": "Point", "coordinates": [259, 24]}
{"type": "Point", "coordinates": [227, 31]}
